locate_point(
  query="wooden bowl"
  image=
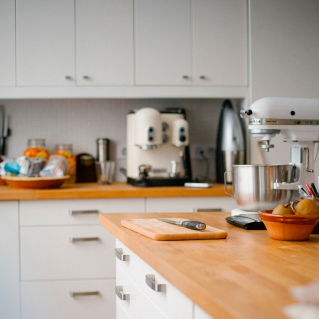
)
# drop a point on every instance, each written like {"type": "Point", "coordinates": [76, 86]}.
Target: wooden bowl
{"type": "Point", "coordinates": [35, 182]}
{"type": "Point", "coordinates": [288, 227]}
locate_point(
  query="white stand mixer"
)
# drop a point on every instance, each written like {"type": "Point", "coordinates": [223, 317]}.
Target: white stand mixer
{"type": "Point", "coordinates": [297, 120]}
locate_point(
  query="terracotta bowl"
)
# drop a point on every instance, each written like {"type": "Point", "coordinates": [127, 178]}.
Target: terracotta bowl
{"type": "Point", "coordinates": [288, 227]}
{"type": "Point", "coordinates": [35, 182]}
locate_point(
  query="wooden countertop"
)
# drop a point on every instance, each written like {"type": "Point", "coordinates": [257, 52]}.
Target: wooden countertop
{"type": "Point", "coordinates": [246, 276]}
{"type": "Point", "coordinates": [116, 190]}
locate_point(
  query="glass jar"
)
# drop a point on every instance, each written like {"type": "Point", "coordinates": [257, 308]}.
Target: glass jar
{"type": "Point", "coordinates": [36, 148]}
{"type": "Point", "coordinates": [66, 150]}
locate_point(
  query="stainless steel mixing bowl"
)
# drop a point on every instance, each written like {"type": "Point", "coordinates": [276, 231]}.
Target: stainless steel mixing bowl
{"type": "Point", "coordinates": [253, 185]}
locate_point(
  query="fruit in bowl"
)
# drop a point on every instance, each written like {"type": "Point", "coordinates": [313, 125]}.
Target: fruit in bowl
{"type": "Point", "coordinates": [296, 225]}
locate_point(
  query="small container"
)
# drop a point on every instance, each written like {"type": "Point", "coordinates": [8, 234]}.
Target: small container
{"type": "Point", "coordinates": [103, 149]}
{"type": "Point", "coordinates": [36, 148]}
{"type": "Point", "coordinates": [105, 172]}
{"type": "Point", "coordinates": [66, 150]}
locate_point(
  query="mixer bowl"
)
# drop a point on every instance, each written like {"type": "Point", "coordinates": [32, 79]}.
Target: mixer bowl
{"type": "Point", "coordinates": [253, 185]}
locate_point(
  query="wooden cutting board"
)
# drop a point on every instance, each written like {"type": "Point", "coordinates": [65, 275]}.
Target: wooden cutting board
{"type": "Point", "coordinates": [158, 230]}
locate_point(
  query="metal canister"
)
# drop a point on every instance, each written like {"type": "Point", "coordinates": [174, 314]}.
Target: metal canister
{"type": "Point", "coordinates": [103, 151]}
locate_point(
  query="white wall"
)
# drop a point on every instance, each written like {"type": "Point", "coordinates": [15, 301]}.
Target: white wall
{"type": "Point", "coordinates": [81, 121]}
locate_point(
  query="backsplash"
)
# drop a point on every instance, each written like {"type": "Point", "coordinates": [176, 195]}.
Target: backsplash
{"type": "Point", "coordinates": [81, 121]}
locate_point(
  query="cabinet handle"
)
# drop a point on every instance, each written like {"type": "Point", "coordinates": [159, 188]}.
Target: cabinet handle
{"type": "Point", "coordinates": [119, 255]}
{"type": "Point", "coordinates": [120, 294]}
{"type": "Point", "coordinates": [75, 239]}
{"type": "Point", "coordinates": [86, 77]}
{"type": "Point", "coordinates": [86, 293]}
{"type": "Point", "coordinates": [202, 77]}
{"type": "Point", "coordinates": [211, 210]}
{"type": "Point", "coordinates": [68, 77]}
{"type": "Point", "coordinates": [150, 280]}
{"type": "Point", "coordinates": [185, 77]}
{"type": "Point", "coordinates": [82, 212]}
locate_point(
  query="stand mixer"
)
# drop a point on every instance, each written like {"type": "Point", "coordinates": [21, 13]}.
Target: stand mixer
{"type": "Point", "coordinates": [297, 121]}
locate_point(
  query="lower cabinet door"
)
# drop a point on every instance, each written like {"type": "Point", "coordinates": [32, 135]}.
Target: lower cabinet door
{"type": "Point", "coordinates": [66, 252]}
{"type": "Point", "coordinates": [68, 299]}
{"type": "Point", "coordinates": [135, 303]}
{"type": "Point", "coordinates": [120, 312]}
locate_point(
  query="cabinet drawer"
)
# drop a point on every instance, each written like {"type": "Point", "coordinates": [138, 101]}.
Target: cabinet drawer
{"type": "Point", "coordinates": [138, 306]}
{"type": "Point", "coordinates": [47, 253]}
{"type": "Point", "coordinates": [52, 300]}
{"type": "Point", "coordinates": [171, 301]}
{"type": "Point", "coordinates": [74, 212]}
{"type": "Point", "coordinates": [120, 312]}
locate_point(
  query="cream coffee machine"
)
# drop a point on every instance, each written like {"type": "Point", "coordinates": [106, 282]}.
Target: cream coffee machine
{"type": "Point", "coordinates": [157, 148]}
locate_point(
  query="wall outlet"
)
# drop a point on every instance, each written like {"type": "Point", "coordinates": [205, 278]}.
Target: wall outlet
{"type": "Point", "coordinates": [197, 151]}
{"type": "Point", "coordinates": [121, 151]}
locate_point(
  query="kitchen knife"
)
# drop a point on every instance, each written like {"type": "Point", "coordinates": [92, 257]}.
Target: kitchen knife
{"type": "Point", "coordinates": [5, 133]}
{"type": "Point", "coordinates": [187, 224]}
{"type": "Point", "coordinates": [1, 125]}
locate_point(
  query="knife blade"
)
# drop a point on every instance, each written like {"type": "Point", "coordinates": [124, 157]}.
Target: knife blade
{"type": "Point", "coordinates": [191, 224]}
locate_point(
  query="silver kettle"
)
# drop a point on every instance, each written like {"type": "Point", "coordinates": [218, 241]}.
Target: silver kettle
{"type": "Point", "coordinates": [230, 147]}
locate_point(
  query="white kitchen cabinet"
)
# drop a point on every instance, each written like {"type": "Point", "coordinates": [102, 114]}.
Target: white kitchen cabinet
{"type": "Point", "coordinates": [199, 313]}
{"type": "Point", "coordinates": [69, 252]}
{"type": "Point", "coordinates": [220, 42]}
{"type": "Point", "coordinates": [104, 42]}
{"type": "Point", "coordinates": [190, 204]}
{"type": "Point", "coordinates": [163, 42]}
{"type": "Point", "coordinates": [53, 299]}
{"type": "Point", "coordinates": [7, 40]}
{"type": "Point", "coordinates": [45, 43]}
{"type": "Point", "coordinates": [75, 212]}
{"type": "Point", "coordinates": [9, 260]}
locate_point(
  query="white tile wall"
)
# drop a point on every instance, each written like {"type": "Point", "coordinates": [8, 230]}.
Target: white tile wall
{"type": "Point", "coordinates": [82, 121]}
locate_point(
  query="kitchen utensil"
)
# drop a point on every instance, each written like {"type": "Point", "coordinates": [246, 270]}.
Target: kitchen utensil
{"type": "Point", "coordinates": [191, 224]}
{"type": "Point", "coordinates": [288, 227]}
{"type": "Point", "coordinates": [253, 185]}
{"type": "Point", "coordinates": [85, 168]}
{"type": "Point", "coordinates": [230, 147]}
{"type": "Point", "coordinates": [35, 182]}
{"type": "Point", "coordinates": [251, 222]}
{"type": "Point", "coordinates": [103, 149]}
{"type": "Point", "coordinates": [314, 189]}
{"type": "Point", "coordinates": [1, 127]}
{"type": "Point", "coordinates": [157, 230]}
{"type": "Point", "coordinates": [310, 191]}
{"type": "Point", "coordinates": [105, 172]}
{"type": "Point", "coordinates": [5, 134]}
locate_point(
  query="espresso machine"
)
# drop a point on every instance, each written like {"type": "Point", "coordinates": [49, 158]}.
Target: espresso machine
{"type": "Point", "coordinates": [157, 148]}
{"type": "Point", "coordinates": [259, 187]}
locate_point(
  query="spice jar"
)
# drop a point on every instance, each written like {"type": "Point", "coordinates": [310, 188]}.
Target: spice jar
{"type": "Point", "coordinates": [66, 150]}
{"type": "Point", "coordinates": [36, 148]}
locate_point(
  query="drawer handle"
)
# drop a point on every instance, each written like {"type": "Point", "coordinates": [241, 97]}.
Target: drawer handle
{"type": "Point", "coordinates": [119, 255]}
{"type": "Point", "coordinates": [82, 212]}
{"type": "Point", "coordinates": [75, 239]}
{"type": "Point", "coordinates": [120, 294]}
{"type": "Point", "coordinates": [150, 280]}
{"type": "Point", "coordinates": [86, 293]}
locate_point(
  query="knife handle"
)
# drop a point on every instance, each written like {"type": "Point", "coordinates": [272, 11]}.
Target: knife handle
{"type": "Point", "coordinates": [194, 225]}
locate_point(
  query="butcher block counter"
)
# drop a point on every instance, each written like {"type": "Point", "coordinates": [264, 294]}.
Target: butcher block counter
{"type": "Point", "coordinates": [116, 190]}
{"type": "Point", "coordinates": [247, 275]}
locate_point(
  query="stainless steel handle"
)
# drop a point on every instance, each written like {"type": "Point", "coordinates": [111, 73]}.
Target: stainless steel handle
{"type": "Point", "coordinates": [82, 212]}
{"type": "Point", "coordinates": [86, 293]}
{"type": "Point", "coordinates": [86, 77]}
{"type": "Point", "coordinates": [225, 184]}
{"type": "Point", "coordinates": [210, 210]}
{"type": "Point", "coordinates": [119, 292]}
{"type": "Point", "coordinates": [119, 255]}
{"type": "Point", "coordinates": [202, 77]}
{"type": "Point", "coordinates": [307, 161]}
{"type": "Point", "coordinates": [150, 280]}
{"type": "Point", "coordinates": [185, 77]}
{"type": "Point", "coordinates": [75, 239]}
{"type": "Point", "coordinates": [68, 77]}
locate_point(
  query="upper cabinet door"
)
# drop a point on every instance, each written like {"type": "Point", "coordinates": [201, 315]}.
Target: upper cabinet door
{"type": "Point", "coordinates": [163, 42]}
{"type": "Point", "coordinates": [45, 42]}
{"type": "Point", "coordinates": [7, 40]}
{"type": "Point", "coordinates": [104, 42]}
{"type": "Point", "coordinates": [220, 42]}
